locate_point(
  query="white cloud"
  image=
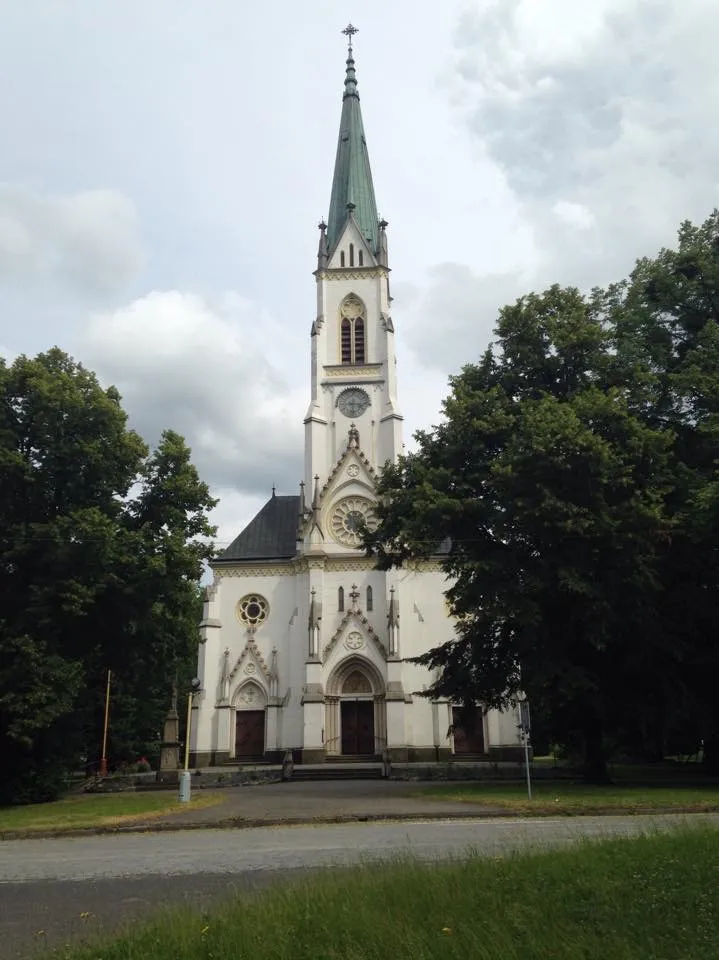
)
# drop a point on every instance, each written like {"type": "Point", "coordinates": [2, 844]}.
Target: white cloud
{"type": "Point", "coordinates": [573, 214]}
{"type": "Point", "coordinates": [214, 373]}
{"type": "Point", "coordinates": [451, 318]}
{"type": "Point", "coordinates": [597, 115]}
{"type": "Point", "coordinates": [87, 241]}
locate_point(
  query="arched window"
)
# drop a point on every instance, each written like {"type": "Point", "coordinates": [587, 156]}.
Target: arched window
{"type": "Point", "coordinates": [342, 258]}
{"type": "Point", "coordinates": [352, 330]}
{"type": "Point", "coordinates": [352, 254]}
{"type": "Point", "coordinates": [361, 258]}
{"type": "Point", "coordinates": [341, 599]}
{"type": "Point", "coordinates": [370, 601]}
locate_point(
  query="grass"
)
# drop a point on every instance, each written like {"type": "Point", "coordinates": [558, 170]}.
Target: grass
{"type": "Point", "coordinates": [648, 898]}
{"type": "Point", "coordinates": [107, 810]}
{"type": "Point", "coordinates": [579, 798]}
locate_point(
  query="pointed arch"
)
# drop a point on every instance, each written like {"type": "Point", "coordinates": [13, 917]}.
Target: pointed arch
{"type": "Point", "coordinates": [342, 258]}
{"type": "Point", "coordinates": [360, 255]}
{"type": "Point", "coordinates": [350, 665]}
{"type": "Point", "coordinates": [341, 599]}
{"type": "Point", "coordinates": [352, 254]}
{"type": "Point", "coordinates": [369, 603]}
{"type": "Point", "coordinates": [353, 320]}
{"type": "Point", "coordinates": [250, 694]}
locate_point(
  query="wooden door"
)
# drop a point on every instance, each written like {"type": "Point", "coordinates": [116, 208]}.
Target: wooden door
{"type": "Point", "coordinates": [468, 741]}
{"type": "Point", "coordinates": [357, 718]}
{"type": "Point", "coordinates": [250, 733]}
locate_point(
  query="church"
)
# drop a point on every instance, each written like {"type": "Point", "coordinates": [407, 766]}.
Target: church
{"type": "Point", "coordinates": [303, 643]}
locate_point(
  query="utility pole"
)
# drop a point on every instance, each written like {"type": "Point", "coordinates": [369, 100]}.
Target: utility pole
{"type": "Point", "coordinates": [103, 758]}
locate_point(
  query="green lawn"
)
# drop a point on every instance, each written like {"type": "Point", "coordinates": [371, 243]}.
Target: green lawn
{"type": "Point", "coordinates": [578, 798]}
{"type": "Point", "coordinates": [651, 898]}
{"type": "Point", "coordinates": [96, 810]}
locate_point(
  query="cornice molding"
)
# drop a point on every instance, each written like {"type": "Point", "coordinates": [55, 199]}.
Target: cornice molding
{"type": "Point", "coordinates": [304, 564]}
{"type": "Point", "coordinates": [354, 273]}
{"type": "Point", "coordinates": [346, 370]}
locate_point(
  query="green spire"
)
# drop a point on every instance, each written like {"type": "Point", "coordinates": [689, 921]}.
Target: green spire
{"type": "Point", "coordinates": [352, 189]}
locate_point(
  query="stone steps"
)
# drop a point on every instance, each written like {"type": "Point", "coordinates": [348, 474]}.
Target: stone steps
{"type": "Point", "coordinates": [337, 771]}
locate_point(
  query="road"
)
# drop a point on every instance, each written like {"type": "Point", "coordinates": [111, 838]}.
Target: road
{"type": "Point", "coordinates": [71, 888]}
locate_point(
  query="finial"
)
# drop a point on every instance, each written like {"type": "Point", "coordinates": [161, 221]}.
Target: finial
{"type": "Point", "coordinates": [274, 492]}
{"type": "Point", "coordinates": [349, 31]}
{"type": "Point", "coordinates": [322, 226]}
{"type": "Point", "coordinates": [354, 596]}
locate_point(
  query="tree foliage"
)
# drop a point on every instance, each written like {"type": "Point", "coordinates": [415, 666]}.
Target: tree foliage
{"type": "Point", "coordinates": [102, 544]}
{"type": "Point", "coordinates": [574, 480]}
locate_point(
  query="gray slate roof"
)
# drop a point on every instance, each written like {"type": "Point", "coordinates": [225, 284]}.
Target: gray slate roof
{"type": "Point", "coordinates": [272, 535]}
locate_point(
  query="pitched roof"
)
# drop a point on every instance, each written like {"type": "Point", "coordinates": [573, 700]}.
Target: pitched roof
{"type": "Point", "coordinates": [352, 181]}
{"type": "Point", "coordinates": [271, 535]}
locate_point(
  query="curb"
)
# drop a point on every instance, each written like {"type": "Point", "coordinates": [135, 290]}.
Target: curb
{"type": "Point", "coordinates": [244, 823]}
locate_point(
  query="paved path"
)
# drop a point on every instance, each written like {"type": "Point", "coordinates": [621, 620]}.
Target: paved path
{"type": "Point", "coordinates": [324, 800]}
{"type": "Point", "coordinates": [47, 884]}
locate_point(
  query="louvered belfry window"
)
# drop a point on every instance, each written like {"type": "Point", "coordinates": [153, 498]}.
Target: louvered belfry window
{"type": "Point", "coordinates": [346, 341]}
{"type": "Point", "coordinates": [352, 330]}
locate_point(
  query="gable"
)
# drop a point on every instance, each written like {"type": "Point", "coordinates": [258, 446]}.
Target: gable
{"type": "Point", "coordinates": [352, 249]}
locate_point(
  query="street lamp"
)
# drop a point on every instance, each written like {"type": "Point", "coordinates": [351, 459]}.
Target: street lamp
{"type": "Point", "coordinates": [185, 791]}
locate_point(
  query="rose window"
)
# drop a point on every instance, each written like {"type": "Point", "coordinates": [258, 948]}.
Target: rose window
{"type": "Point", "coordinates": [348, 517]}
{"type": "Point", "coordinates": [252, 610]}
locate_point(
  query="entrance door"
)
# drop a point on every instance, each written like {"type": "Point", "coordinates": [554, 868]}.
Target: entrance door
{"type": "Point", "coordinates": [357, 718]}
{"type": "Point", "coordinates": [250, 733]}
{"type": "Point", "coordinates": [468, 741]}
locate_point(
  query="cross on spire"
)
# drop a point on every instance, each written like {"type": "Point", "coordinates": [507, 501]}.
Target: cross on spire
{"type": "Point", "coordinates": [349, 31]}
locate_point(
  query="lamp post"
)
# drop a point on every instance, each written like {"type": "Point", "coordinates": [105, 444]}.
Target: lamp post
{"type": "Point", "coordinates": [185, 789]}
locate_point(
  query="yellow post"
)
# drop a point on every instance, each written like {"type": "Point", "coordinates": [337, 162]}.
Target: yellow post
{"type": "Point", "coordinates": [103, 758]}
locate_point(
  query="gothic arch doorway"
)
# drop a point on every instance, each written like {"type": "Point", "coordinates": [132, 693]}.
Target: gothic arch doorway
{"type": "Point", "coordinates": [356, 721]}
{"type": "Point", "coordinates": [249, 712]}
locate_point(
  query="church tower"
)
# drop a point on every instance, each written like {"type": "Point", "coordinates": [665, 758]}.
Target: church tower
{"type": "Point", "coordinates": [305, 646]}
{"type": "Point", "coordinates": [353, 403]}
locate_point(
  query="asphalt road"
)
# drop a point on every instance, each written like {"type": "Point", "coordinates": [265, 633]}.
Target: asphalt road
{"type": "Point", "coordinates": [69, 889]}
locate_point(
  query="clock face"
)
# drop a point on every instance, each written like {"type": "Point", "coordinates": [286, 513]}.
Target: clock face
{"type": "Point", "coordinates": [353, 402]}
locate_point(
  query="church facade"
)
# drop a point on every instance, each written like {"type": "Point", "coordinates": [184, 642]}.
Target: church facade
{"type": "Point", "coordinates": [303, 643]}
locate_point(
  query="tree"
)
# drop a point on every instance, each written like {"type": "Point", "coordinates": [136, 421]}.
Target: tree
{"type": "Point", "coordinates": [665, 319]}
{"type": "Point", "coordinates": [550, 491]}
{"type": "Point", "coordinates": [101, 551]}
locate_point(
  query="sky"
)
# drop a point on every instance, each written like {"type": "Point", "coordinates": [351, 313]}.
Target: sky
{"type": "Point", "coordinates": [165, 165]}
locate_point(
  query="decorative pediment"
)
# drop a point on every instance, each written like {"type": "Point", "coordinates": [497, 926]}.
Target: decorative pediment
{"type": "Point", "coordinates": [352, 470]}
{"type": "Point", "coordinates": [352, 457]}
{"type": "Point", "coordinates": [251, 663]}
{"type": "Point", "coordinates": [354, 631]}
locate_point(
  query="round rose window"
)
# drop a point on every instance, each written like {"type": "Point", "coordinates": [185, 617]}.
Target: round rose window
{"type": "Point", "coordinates": [348, 517]}
{"type": "Point", "coordinates": [252, 610]}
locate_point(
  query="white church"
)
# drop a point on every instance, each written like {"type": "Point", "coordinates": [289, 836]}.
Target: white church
{"type": "Point", "coordinates": [303, 643]}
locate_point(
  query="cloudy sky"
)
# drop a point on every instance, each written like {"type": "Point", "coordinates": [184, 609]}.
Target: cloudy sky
{"type": "Point", "coordinates": [165, 164]}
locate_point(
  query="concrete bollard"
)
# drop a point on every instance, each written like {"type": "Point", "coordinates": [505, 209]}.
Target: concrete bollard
{"type": "Point", "coordinates": [185, 786]}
